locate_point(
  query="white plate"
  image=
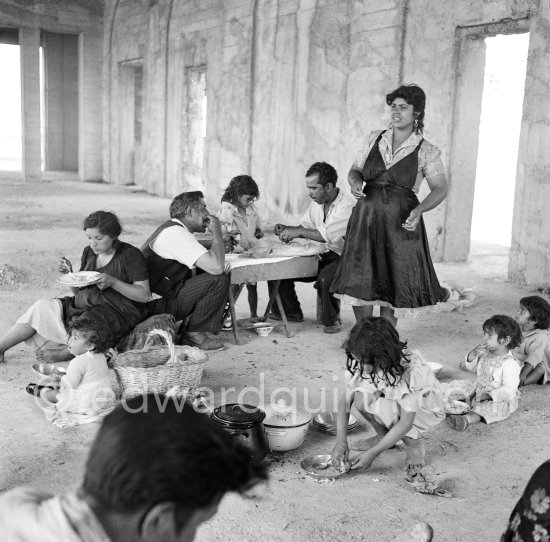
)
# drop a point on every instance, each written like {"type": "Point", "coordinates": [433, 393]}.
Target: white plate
{"type": "Point", "coordinates": [79, 279]}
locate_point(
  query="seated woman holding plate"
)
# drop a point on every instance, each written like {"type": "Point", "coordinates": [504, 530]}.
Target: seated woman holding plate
{"type": "Point", "coordinates": [112, 286]}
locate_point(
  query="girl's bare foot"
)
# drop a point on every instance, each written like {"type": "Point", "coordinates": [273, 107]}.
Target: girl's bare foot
{"type": "Point", "coordinates": [416, 457]}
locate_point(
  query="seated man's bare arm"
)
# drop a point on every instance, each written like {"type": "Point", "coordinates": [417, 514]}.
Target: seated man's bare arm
{"type": "Point", "coordinates": [213, 261]}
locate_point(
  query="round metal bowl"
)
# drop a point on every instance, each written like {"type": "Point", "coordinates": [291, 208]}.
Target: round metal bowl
{"type": "Point", "coordinates": [263, 329]}
{"type": "Point", "coordinates": [333, 432]}
{"type": "Point", "coordinates": [328, 419]}
{"type": "Point", "coordinates": [48, 371]}
{"type": "Point", "coordinates": [321, 467]}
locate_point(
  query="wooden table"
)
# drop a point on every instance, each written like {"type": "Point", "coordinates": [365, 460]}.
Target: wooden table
{"type": "Point", "coordinates": [241, 273]}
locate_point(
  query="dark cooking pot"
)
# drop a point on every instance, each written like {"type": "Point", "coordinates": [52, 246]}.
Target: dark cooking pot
{"type": "Point", "coordinates": [244, 423]}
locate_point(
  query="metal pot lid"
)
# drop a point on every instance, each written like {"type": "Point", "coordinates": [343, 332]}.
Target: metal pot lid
{"type": "Point", "coordinates": [281, 415]}
{"type": "Point", "coordinates": [238, 414]}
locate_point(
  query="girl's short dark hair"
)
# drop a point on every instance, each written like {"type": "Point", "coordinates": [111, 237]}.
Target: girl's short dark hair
{"type": "Point", "coordinates": [241, 185]}
{"type": "Point", "coordinates": [504, 327]}
{"type": "Point", "coordinates": [414, 96]}
{"type": "Point", "coordinates": [95, 331]}
{"type": "Point", "coordinates": [374, 341]}
{"type": "Point", "coordinates": [539, 310]}
{"type": "Point", "coordinates": [106, 222]}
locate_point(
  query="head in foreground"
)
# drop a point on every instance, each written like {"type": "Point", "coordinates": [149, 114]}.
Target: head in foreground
{"type": "Point", "coordinates": [157, 469]}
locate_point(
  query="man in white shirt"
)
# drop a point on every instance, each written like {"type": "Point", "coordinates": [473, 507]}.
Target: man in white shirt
{"type": "Point", "coordinates": [145, 479]}
{"type": "Point", "coordinates": [189, 276]}
{"type": "Point", "coordinates": [325, 221]}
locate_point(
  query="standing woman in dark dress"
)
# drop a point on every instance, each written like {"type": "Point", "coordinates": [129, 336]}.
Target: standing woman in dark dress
{"type": "Point", "coordinates": [117, 298]}
{"type": "Point", "coordinates": [386, 259]}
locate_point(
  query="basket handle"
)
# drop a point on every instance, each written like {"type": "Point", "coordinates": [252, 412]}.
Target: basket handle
{"type": "Point", "coordinates": [166, 336]}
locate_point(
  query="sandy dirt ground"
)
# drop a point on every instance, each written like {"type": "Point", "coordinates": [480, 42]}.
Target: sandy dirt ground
{"type": "Point", "coordinates": [485, 468]}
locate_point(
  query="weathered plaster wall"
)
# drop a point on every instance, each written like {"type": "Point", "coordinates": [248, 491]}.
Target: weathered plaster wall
{"type": "Point", "coordinates": [445, 53]}
{"type": "Point", "coordinates": [530, 252]}
{"type": "Point", "coordinates": [290, 82]}
{"type": "Point", "coordinates": [81, 17]}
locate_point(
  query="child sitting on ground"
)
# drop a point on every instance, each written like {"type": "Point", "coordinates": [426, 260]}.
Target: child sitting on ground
{"type": "Point", "coordinates": [238, 215]}
{"type": "Point", "coordinates": [493, 396]}
{"type": "Point", "coordinates": [394, 390]}
{"type": "Point", "coordinates": [533, 318]}
{"type": "Point", "coordinates": [86, 388]}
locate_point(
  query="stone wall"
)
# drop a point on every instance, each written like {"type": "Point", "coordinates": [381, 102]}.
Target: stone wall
{"type": "Point", "coordinates": [530, 252]}
{"type": "Point", "coordinates": [83, 18]}
{"type": "Point", "coordinates": [290, 82]}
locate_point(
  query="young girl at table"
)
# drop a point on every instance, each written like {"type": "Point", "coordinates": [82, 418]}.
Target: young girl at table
{"type": "Point", "coordinates": [393, 389]}
{"type": "Point", "coordinates": [86, 388]}
{"type": "Point", "coordinates": [493, 396]}
{"type": "Point", "coordinates": [238, 215]}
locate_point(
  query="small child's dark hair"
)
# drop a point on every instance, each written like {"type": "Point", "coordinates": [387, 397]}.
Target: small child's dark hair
{"type": "Point", "coordinates": [374, 341]}
{"type": "Point", "coordinates": [241, 185]}
{"type": "Point", "coordinates": [504, 327]}
{"type": "Point", "coordinates": [539, 310]}
{"type": "Point", "coordinates": [95, 331]}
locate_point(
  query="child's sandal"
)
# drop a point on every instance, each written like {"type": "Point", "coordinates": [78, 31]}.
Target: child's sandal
{"type": "Point", "coordinates": [34, 389]}
{"type": "Point", "coordinates": [460, 423]}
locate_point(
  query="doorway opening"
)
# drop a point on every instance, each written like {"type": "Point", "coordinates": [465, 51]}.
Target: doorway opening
{"type": "Point", "coordinates": [130, 115]}
{"type": "Point", "coordinates": [11, 142]}
{"type": "Point", "coordinates": [195, 119]}
{"type": "Point", "coordinates": [499, 131]}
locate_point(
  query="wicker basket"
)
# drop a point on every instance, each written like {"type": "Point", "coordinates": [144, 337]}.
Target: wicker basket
{"type": "Point", "coordinates": [158, 369]}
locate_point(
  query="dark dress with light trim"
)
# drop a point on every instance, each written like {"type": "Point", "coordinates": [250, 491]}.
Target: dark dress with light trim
{"type": "Point", "coordinates": [116, 311]}
{"type": "Point", "coordinates": [383, 263]}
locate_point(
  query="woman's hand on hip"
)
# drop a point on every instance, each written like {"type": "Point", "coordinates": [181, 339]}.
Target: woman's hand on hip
{"type": "Point", "coordinates": [413, 220]}
{"type": "Point", "coordinates": [357, 190]}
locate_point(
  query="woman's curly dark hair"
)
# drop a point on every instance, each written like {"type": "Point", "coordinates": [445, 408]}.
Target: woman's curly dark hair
{"type": "Point", "coordinates": [374, 341]}
{"type": "Point", "coordinates": [242, 185]}
{"type": "Point", "coordinates": [414, 96]}
{"type": "Point", "coordinates": [95, 331]}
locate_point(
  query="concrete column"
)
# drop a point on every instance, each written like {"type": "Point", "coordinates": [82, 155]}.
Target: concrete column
{"type": "Point", "coordinates": [460, 200]}
{"type": "Point", "coordinates": [530, 252]}
{"type": "Point", "coordinates": [126, 118]}
{"type": "Point", "coordinates": [29, 39]}
{"type": "Point", "coordinates": [90, 125]}
{"type": "Point", "coordinates": [61, 101]}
